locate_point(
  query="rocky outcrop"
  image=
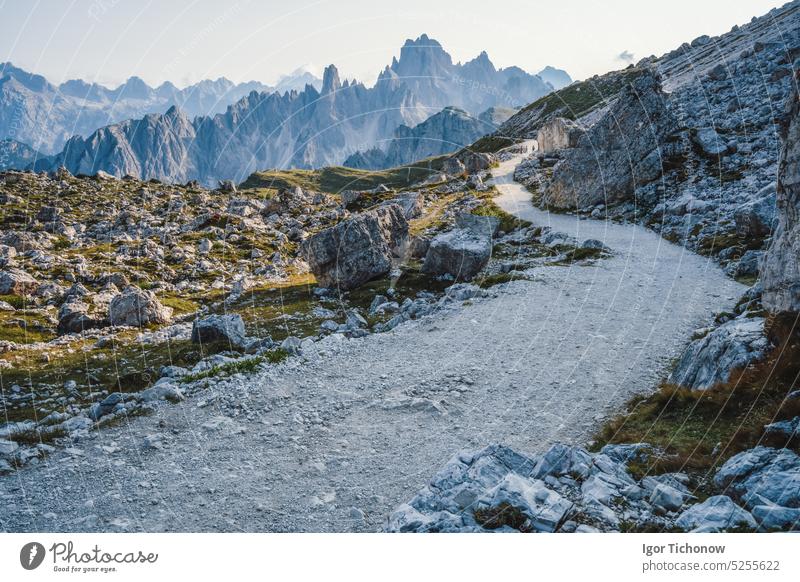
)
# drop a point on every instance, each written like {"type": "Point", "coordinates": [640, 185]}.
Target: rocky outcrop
{"type": "Point", "coordinates": [137, 307]}
{"type": "Point", "coordinates": [766, 481]}
{"type": "Point", "coordinates": [780, 273]}
{"type": "Point", "coordinates": [74, 317]}
{"type": "Point", "coordinates": [565, 489]}
{"type": "Point", "coordinates": [718, 513]}
{"type": "Point", "coordinates": [711, 360]}
{"type": "Point", "coordinates": [619, 152]}
{"type": "Point", "coordinates": [757, 218]}
{"type": "Point", "coordinates": [558, 134]}
{"type": "Point", "coordinates": [357, 249]}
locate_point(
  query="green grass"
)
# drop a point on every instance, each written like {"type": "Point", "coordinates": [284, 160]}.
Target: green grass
{"type": "Point", "coordinates": [578, 99]}
{"type": "Point", "coordinates": [16, 301]}
{"type": "Point", "coordinates": [242, 366]}
{"type": "Point", "coordinates": [335, 179]}
{"type": "Point", "coordinates": [508, 222]}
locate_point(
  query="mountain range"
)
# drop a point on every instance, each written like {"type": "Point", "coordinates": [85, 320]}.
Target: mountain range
{"type": "Point", "coordinates": [300, 129]}
{"type": "Point", "coordinates": [44, 116]}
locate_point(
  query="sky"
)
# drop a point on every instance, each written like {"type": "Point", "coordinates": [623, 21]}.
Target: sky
{"type": "Point", "coordinates": [107, 41]}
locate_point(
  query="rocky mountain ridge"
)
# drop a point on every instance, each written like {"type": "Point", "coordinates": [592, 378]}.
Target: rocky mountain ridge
{"type": "Point", "coordinates": [44, 116]}
{"type": "Point", "coordinates": [306, 129]}
{"type": "Point", "coordinates": [447, 131]}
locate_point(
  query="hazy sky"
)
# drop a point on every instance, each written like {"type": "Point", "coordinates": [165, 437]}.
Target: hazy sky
{"type": "Point", "coordinates": [109, 40]}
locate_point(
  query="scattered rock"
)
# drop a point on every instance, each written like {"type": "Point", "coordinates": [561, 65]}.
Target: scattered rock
{"type": "Point", "coordinates": [137, 307]}
{"type": "Point", "coordinates": [17, 282]}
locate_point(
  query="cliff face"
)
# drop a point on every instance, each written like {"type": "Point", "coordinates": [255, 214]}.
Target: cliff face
{"type": "Point", "coordinates": [780, 273]}
{"type": "Point", "coordinates": [618, 152]}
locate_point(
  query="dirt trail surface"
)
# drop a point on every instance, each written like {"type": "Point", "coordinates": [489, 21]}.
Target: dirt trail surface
{"type": "Point", "coordinates": [334, 440]}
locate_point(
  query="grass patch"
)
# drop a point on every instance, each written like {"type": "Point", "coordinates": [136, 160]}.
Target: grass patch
{"type": "Point", "coordinates": [180, 305]}
{"type": "Point", "coordinates": [334, 179]}
{"type": "Point", "coordinates": [499, 279]}
{"type": "Point", "coordinates": [699, 429]}
{"type": "Point", "coordinates": [508, 222]}
{"type": "Point", "coordinates": [242, 366]}
{"type": "Point", "coordinates": [15, 301]}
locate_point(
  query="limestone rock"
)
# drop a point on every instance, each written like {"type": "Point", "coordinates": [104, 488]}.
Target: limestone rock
{"type": "Point", "coordinates": [357, 249]}
{"type": "Point", "coordinates": [711, 359]}
{"type": "Point", "coordinates": [780, 273]}
{"type": "Point", "coordinates": [717, 513]}
{"type": "Point", "coordinates": [557, 134]}
{"type": "Point", "coordinates": [757, 218]}
{"type": "Point", "coordinates": [616, 154]}
{"type": "Point", "coordinates": [460, 253]}
{"type": "Point", "coordinates": [214, 328]}
{"type": "Point", "coordinates": [17, 282]}
{"type": "Point", "coordinates": [137, 307]}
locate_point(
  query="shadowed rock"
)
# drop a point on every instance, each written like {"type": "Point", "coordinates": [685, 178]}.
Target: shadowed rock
{"type": "Point", "coordinates": [357, 249]}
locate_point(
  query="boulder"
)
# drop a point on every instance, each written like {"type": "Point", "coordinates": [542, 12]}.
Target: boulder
{"type": "Point", "coordinates": [482, 225]}
{"type": "Point", "coordinates": [732, 346]}
{"type": "Point", "coordinates": [410, 202]}
{"type": "Point", "coordinates": [357, 249]}
{"type": "Point", "coordinates": [459, 253]}
{"type": "Point", "coordinates": [776, 517]}
{"type": "Point", "coordinates": [526, 504]}
{"type": "Point", "coordinates": [780, 271]}
{"type": "Point", "coordinates": [717, 513]}
{"type": "Point", "coordinates": [667, 497]}
{"type": "Point", "coordinates": [557, 134]}
{"type": "Point", "coordinates": [453, 167]}
{"type": "Point", "coordinates": [17, 282]}
{"type": "Point", "coordinates": [709, 142]}
{"type": "Point", "coordinates": [477, 161]}
{"type": "Point", "coordinates": [73, 317]}
{"type": "Point", "coordinates": [137, 307]}
{"type": "Point", "coordinates": [215, 328]}
{"type": "Point", "coordinates": [632, 134]}
{"type": "Point", "coordinates": [757, 218]}
{"type": "Point", "coordinates": [48, 214]}
{"type": "Point", "coordinates": [762, 476]}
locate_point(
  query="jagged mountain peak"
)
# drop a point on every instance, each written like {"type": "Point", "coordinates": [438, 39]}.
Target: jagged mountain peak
{"type": "Point", "coordinates": [330, 79]}
{"type": "Point", "coordinates": [304, 128]}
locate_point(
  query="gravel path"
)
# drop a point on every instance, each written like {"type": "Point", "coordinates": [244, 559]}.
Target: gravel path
{"type": "Point", "coordinates": [335, 441]}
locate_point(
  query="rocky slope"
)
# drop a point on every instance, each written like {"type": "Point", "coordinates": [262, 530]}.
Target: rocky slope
{"type": "Point", "coordinates": [447, 131]}
{"type": "Point", "coordinates": [307, 129]}
{"type": "Point", "coordinates": [45, 116]}
{"type": "Point", "coordinates": [705, 176]}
